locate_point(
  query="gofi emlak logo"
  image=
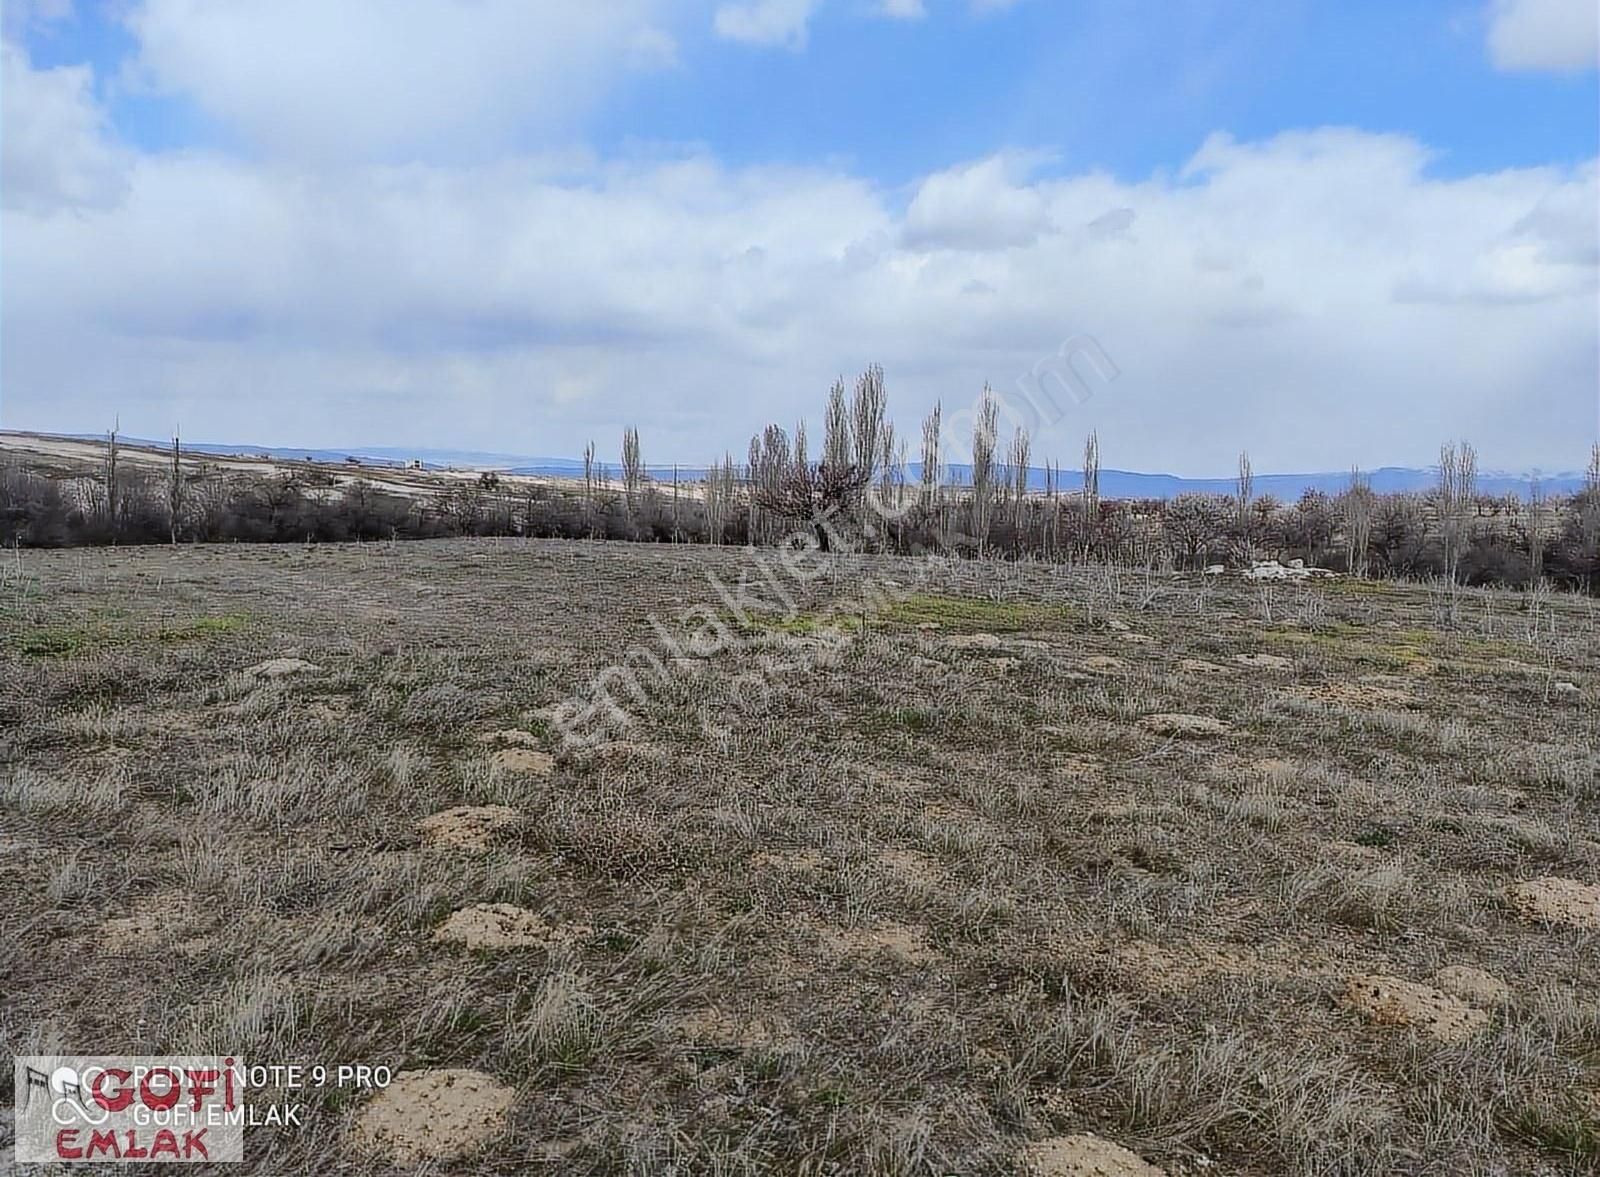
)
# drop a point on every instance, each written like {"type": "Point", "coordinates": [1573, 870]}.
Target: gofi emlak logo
{"type": "Point", "coordinates": [95, 1109]}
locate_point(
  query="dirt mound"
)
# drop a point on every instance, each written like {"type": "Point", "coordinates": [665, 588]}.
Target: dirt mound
{"type": "Point", "coordinates": [511, 735]}
{"type": "Point", "coordinates": [502, 925]}
{"type": "Point", "coordinates": [525, 760]}
{"type": "Point", "coordinates": [795, 860]}
{"type": "Point", "coordinates": [280, 668]}
{"type": "Point", "coordinates": [898, 940]}
{"type": "Point", "coordinates": [1393, 1001]}
{"type": "Point", "coordinates": [466, 827]}
{"type": "Point", "coordinates": [1201, 666]}
{"type": "Point", "coordinates": [434, 1115]}
{"type": "Point", "coordinates": [1558, 901]}
{"type": "Point", "coordinates": [1371, 691]}
{"type": "Point", "coordinates": [1136, 639]}
{"type": "Point", "coordinates": [1100, 663]}
{"type": "Point", "coordinates": [1172, 723]}
{"type": "Point", "coordinates": [1083, 1155]}
{"type": "Point", "coordinates": [1265, 661]}
{"type": "Point", "coordinates": [1471, 984]}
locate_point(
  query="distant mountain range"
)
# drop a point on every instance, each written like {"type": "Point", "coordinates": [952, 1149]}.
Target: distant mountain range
{"type": "Point", "coordinates": [1114, 484]}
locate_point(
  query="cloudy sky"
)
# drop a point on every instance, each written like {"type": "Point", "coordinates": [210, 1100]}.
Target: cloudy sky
{"type": "Point", "coordinates": [1329, 231]}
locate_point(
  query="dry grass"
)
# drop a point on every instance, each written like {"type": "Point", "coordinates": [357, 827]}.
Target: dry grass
{"type": "Point", "coordinates": [928, 891]}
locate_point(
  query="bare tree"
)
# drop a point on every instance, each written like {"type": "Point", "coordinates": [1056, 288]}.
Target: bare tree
{"type": "Point", "coordinates": [813, 494]}
{"type": "Point", "coordinates": [769, 462]}
{"type": "Point", "coordinates": [1538, 521]}
{"type": "Point", "coordinates": [632, 468]}
{"type": "Point", "coordinates": [1458, 486]}
{"type": "Point", "coordinates": [1091, 491]}
{"type": "Point", "coordinates": [985, 431]}
{"type": "Point", "coordinates": [1192, 523]}
{"type": "Point", "coordinates": [588, 487]}
{"type": "Point", "coordinates": [836, 437]}
{"type": "Point", "coordinates": [721, 490]}
{"type": "Point", "coordinates": [932, 473]}
{"type": "Point", "coordinates": [868, 421]}
{"type": "Point", "coordinates": [890, 467]}
{"type": "Point", "coordinates": [1018, 464]}
{"type": "Point", "coordinates": [177, 491]}
{"type": "Point", "coordinates": [1244, 494]}
{"type": "Point", "coordinates": [1358, 506]}
{"type": "Point", "coordinates": [113, 496]}
{"type": "Point", "coordinates": [1588, 516]}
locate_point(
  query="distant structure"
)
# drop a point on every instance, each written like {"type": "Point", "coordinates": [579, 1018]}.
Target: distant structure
{"type": "Point", "coordinates": [414, 464]}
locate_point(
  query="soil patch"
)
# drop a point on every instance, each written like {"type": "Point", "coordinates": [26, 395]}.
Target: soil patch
{"type": "Point", "coordinates": [1084, 1155]}
{"type": "Point", "coordinates": [525, 760]}
{"type": "Point", "coordinates": [1558, 901]}
{"type": "Point", "coordinates": [466, 827]}
{"type": "Point", "coordinates": [1472, 984]}
{"type": "Point", "coordinates": [501, 926]}
{"type": "Point", "coordinates": [1265, 661]}
{"type": "Point", "coordinates": [1393, 1001]}
{"type": "Point", "coordinates": [434, 1115]}
{"type": "Point", "coordinates": [1172, 723]}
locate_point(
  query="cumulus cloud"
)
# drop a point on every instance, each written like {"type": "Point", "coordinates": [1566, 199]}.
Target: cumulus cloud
{"type": "Point", "coordinates": [369, 79]}
{"type": "Point", "coordinates": [1317, 297]}
{"type": "Point", "coordinates": [980, 206]}
{"type": "Point", "coordinates": [780, 23]}
{"type": "Point", "coordinates": [1544, 34]}
{"type": "Point", "coordinates": [55, 154]}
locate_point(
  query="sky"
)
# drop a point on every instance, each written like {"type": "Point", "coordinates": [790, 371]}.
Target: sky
{"type": "Point", "coordinates": [1329, 232]}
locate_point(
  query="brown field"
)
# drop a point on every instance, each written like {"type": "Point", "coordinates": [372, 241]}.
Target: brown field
{"type": "Point", "coordinates": [1284, 879]}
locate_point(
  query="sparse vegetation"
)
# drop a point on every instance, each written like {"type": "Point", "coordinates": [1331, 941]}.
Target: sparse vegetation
{"type": "Point", "coordinates": [860, 490]}
{"type": "Point", "coordinates": [918, 895]}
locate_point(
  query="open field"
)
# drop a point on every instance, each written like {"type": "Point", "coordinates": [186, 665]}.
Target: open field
{"type": "Point", "coordinates": [68, 457]}
{"type": "Point", "coordinates": [1247, 879]}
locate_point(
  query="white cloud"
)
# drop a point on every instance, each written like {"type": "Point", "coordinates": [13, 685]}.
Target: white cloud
{"type": "Point", "coordinates": [903, 9]}
{"type": "Point", "coordinates": [1318, 298]}
{"type": "Point", "coordinates": [371, 79]}
{"type": "Point", "coordinates": [1544, 34]}
{"type": "Point", "coordinates": [779, 23]}
{"type": "Point", "coordinates": [983, 205]}
{"type": "Point", "coordinates": [54, 152]}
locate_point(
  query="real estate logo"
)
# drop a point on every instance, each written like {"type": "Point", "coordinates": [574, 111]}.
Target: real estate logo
{"type": "Point", "coordinates": [82, 1109]}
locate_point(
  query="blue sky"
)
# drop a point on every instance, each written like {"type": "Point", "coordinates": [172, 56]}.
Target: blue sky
{"type": "Point", "coordinates": [511, 225]}
{"type": "Point", "coordinates": [1129, 86]}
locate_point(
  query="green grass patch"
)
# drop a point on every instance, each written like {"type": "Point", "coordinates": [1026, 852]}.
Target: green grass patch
{"type": "Point", "coordinates": [1570, 1133]}
{"type": "Point", "coordinates": [201, 628]}
{"type": "Point", "coordinates": [58, 641]}
{"type": "Point", "coordinates": [809, 624]}
{"type": "Point", "coordinates": [1352, 587]}
{"type": "Point", "coordinates": [910, 719]}
{"type": "Point", "coordinates": [75, 640]}
{"type": "Point", "coordinates": [972, 614]}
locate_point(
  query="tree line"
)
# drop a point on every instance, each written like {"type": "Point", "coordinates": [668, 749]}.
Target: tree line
{"type": "Point", "coordinates": [857, 488]}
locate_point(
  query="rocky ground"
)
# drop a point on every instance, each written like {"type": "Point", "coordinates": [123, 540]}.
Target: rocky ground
{"type": "Point", "coordinates": [874, 866]}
